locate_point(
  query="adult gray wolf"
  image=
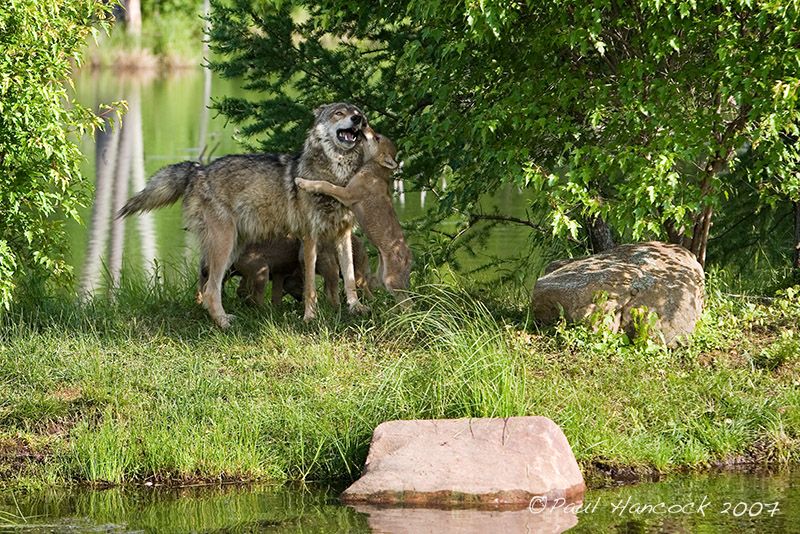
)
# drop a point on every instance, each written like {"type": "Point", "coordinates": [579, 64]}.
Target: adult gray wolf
{"type": "Point", "coordinates": [241, 199]}
{"type": "Point", "coordinates": [367, 194]}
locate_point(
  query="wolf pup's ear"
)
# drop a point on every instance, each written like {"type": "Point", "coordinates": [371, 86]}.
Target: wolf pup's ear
{"type": "Point", "coordinates": [388, 161]}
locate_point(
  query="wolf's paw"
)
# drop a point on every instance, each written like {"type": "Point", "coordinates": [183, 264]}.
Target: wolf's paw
{"type": "Point", "coordinates": [301, 183]}
{"type": "Point", "coordinates": [358, 308]}
{"type": "Point", "coordinates": [309, 316]}
{"type": "Point", "coordinates": [225, 320]}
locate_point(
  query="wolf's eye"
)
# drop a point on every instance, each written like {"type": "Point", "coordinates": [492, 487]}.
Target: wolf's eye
{"type": "Point", "coordinates": [339, 113]}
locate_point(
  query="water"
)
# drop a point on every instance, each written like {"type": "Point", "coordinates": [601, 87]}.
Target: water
{"type": "Point", "coordinates": [708, 503]}
{"type": "Point", "coordinates": [169, 120]}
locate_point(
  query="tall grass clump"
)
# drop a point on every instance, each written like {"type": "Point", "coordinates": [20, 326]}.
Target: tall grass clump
{"type": "Point", "coordinates": [461, 362]}
{"type": "Point", "coordinates": [446, 358]}
{"type": "Point", "coordinates": [102, 452]}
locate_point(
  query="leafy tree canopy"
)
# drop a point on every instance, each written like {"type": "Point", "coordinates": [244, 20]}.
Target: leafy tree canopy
{"type": "Point", "coordinates": [637, 112]}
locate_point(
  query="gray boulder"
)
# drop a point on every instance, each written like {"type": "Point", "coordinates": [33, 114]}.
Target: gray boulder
{"type": "Point", "coordinates": [663, 278]}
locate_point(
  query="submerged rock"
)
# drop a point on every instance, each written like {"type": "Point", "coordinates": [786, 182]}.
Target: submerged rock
{"type": "Point", "coordinates": [659, 277]}
{"type": "Point", "coordinates": [451, 462]}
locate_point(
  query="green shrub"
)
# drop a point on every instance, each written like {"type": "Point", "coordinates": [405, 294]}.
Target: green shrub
{"type": "Point", "coordinates": [40, 182]}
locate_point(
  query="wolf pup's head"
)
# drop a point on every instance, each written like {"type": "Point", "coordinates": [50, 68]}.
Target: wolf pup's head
{"type": "Point", "coordinates": [340, 125]}
{"type": "Point", "coordinates": [380, 149]}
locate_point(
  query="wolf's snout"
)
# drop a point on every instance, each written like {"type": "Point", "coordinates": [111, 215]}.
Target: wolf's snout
{"type": "Point", "coordinates": [357, 119]}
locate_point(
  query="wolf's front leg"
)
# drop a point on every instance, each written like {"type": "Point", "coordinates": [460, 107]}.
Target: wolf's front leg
{"type": "Point", "coordinates": [309, 280]}
{"type": "Point", "coordinates": [203, 278]}
{"type": "Point", "coordinates": [326, 188]}
{"type": "Point", "coordinates": [344, 249]}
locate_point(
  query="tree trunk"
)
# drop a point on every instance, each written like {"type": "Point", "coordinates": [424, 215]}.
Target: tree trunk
{"type": "Point", "coordinates": [796, 262]}
{"type": "Point", "coordinates": [600, 237]}
{"type": "Point", "coordinates": [674, 235]}
{"type": "Point", "coordinates": [702, 222]}
{"type": "Point", "coordinates": [133, 17]}
{"type": "Point", "coordinates": [699, 241]}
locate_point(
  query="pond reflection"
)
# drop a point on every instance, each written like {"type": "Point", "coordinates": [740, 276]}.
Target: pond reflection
{"type": "Point", "coordinates": [119, 170]}
{"type": "Point", "coordinates": [200, 509]}
{"type": "Point", "coordinates": [737, 502]}
{"type": "Point", "coordinates": [168, 119]}
{"type": "Point", "coordinates": [414, 520]}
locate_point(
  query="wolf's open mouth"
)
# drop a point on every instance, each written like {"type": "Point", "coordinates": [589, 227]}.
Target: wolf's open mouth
{"type": "Point", "coordinates": [347, 136]}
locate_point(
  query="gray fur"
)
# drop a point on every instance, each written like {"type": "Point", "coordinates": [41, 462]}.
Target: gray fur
{"type": "Point", "coordinates": [164, 188]}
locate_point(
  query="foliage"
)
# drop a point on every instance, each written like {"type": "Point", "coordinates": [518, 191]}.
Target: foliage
{"type": "Point", "coordinates": [174, 34]}
{"type": "Point", "coordinates": [40, 181]}
{"type": "Point", "coordinates": [636, 112]}
{"type": "Point", "coordinates": [173, 27]}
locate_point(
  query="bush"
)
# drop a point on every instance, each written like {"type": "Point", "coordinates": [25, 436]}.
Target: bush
{"type": "Point", "coordinates": [40, 183]}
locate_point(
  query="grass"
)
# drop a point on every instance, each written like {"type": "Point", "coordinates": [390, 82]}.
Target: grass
{"type": "Point", "coordinates": [142, 387]}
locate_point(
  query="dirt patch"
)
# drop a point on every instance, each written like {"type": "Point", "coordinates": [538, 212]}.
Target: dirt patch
{"type": "Point", "coordinates": [17, 454]}
{"type": "Point", "coordinates": [67, 394]}
{"type": "Point", "coordinates": [734, 357]}
{"type": "Point", "coordinates": [599, 474]}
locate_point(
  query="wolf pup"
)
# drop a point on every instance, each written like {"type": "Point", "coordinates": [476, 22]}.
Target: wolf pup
{"type": "Point", "coordinates": [241, 199]}
{"type": "Point", "coordinates": [279, 260]}
{"type": "Point", "coordinates": [367, 194]}
{"type": "Point", "coordinates": [276, 260]}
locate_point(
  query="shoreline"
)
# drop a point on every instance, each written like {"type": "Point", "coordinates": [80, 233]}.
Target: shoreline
{"type": "Point", "coordinates": [596, 478]}
{"type": "Point", "coordinates": [142, 60]}
{"type": "Point", "coordinates": [170, 42]}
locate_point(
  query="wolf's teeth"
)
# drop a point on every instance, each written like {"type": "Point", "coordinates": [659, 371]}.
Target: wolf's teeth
{"type": "Point", "coordinates": [348, 136]}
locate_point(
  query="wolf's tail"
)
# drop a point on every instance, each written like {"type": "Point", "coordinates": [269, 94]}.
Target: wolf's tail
{"type": "Point", "coordinates": [164, 188]}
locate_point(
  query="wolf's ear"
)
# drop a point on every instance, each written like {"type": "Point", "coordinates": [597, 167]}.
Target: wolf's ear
{"type": "Point", "coordinates": [318, 111]}
{"type": "Point", "coordinates": [388, 161]}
